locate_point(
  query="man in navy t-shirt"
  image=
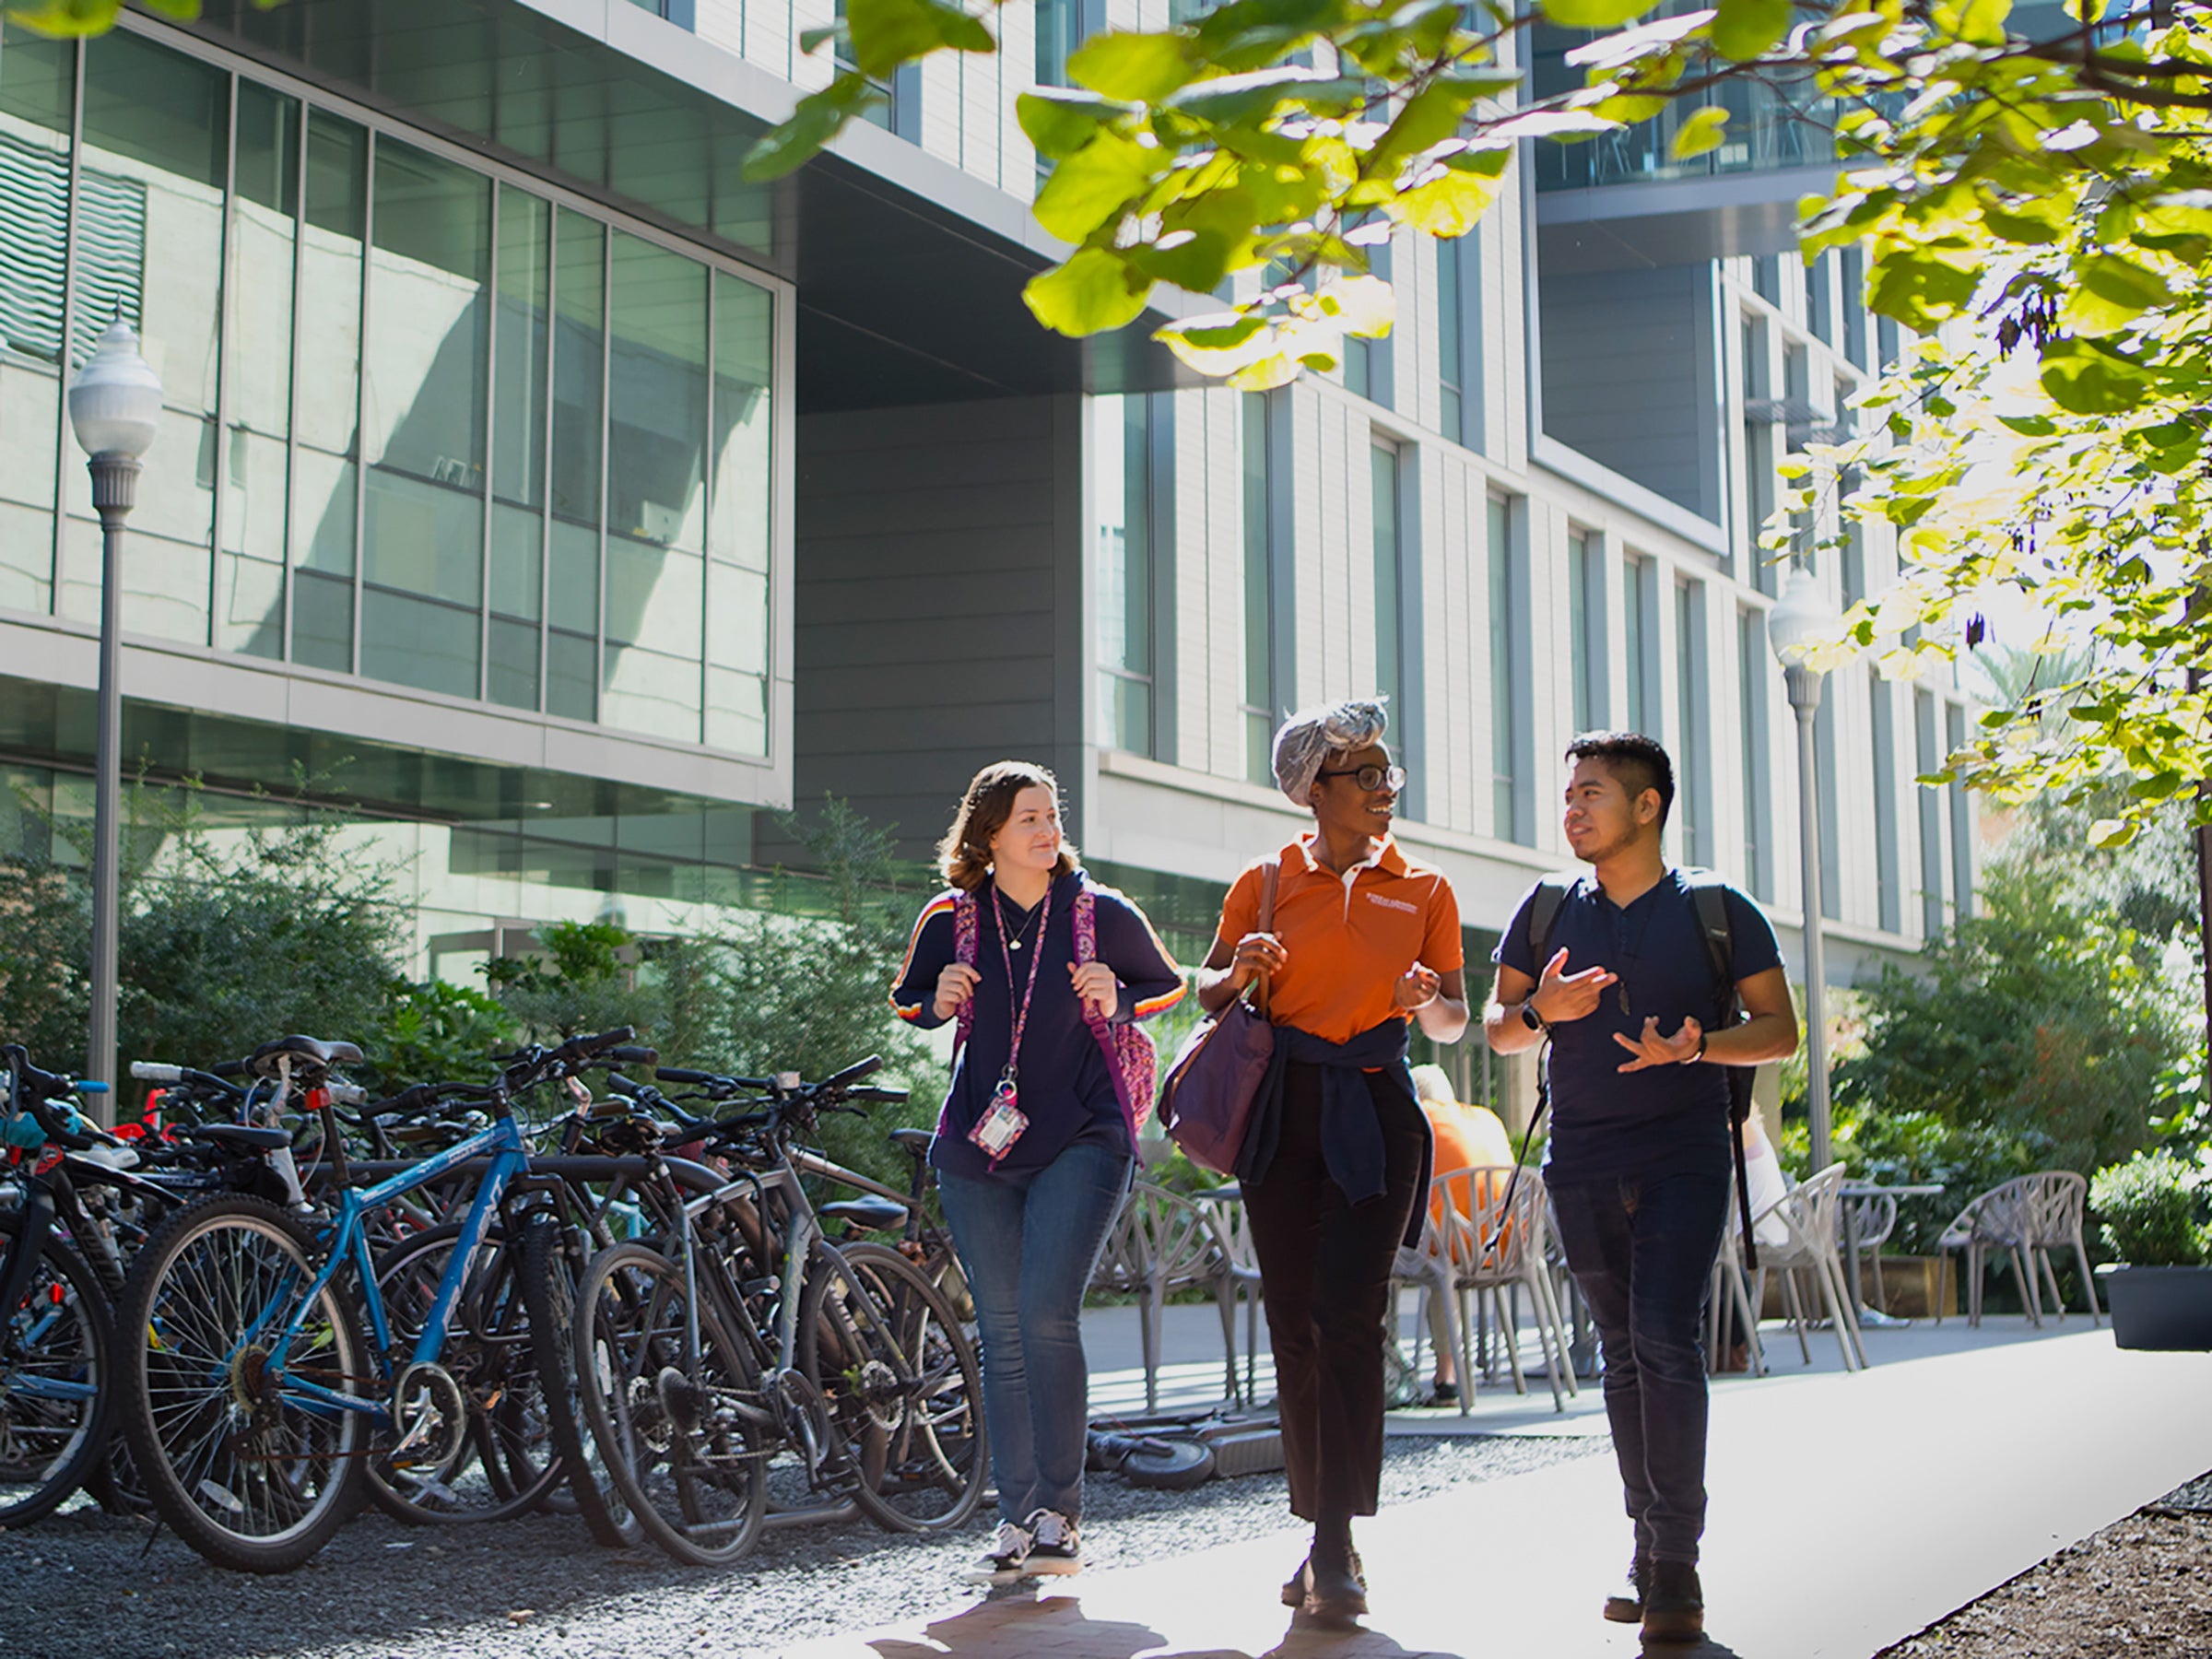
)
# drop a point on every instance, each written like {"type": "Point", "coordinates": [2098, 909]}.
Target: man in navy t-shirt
{"type": "Point", "coordinates": [1638, 1162]}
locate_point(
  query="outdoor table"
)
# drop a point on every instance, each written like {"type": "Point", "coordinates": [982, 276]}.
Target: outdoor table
{"type": "Point", "coordinates": [1867, 1189]}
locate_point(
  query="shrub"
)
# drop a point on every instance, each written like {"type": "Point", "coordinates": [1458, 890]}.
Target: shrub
{"type": "Point", "coordinates": [2149, 1206]}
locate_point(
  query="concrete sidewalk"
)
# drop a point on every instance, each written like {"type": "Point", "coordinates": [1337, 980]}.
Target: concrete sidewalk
{"type": "Point", "coordinates": [1848, 1512]}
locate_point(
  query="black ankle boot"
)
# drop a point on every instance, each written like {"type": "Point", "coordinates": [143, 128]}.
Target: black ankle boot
{"type": "Point", "coordinates": [1674, 1604]}
{"type": "Point", "coordinates": [1335, 1593]}
{"type": "Point", "coordinates": [1625, 1606]}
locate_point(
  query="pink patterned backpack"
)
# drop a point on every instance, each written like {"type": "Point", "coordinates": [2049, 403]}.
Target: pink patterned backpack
{"type": "Point", "coordinates": [1130, 1056]}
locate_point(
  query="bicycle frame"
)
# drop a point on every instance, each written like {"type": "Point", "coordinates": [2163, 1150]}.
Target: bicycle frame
{"type": "Point", "coordinates": [346, 1243]}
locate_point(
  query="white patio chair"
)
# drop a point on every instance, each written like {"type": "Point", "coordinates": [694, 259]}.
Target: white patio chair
{"type": "Point", "coordinates": [1730, 1299]}
{"type": "Point", "coordinates": [1163, 1242]}
{"type": "Point", "coordinates": [2025, 1217]}
{"type": "Point", "coordinates": [1496, 1244]}
{"type": "Point", "coordinates": [1872, 1220]}
{"type": "Point", "coordinates": [1426, 1266]}
{"type": "Point", "coordinates": [1232, 1221]}
{"type": "Point", "coordinates": [1808, 1211]}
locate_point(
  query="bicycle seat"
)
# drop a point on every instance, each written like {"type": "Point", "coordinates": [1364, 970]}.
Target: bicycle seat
{"type": "Point", "coordinates": [312, 1050]}
{"type": "Point", "coordinates": [237, 1135]}
{"type": "Point", "coordinates": [874, 1215]}
{"type": "Point", "coordinates": [915, 1141]}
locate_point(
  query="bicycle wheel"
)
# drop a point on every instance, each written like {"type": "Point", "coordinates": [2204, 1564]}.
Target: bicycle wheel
{"type": "Point", "coordinates": [685, 1437]}
{"type": "Point", "coordinates": [244, 1470]}
{"type": "Point", "coordinates": [549, 1291]}
{"type": "Point", "coordinates": [472, 1440]}
{"type": "Point", "coordinates": [57, 1353]}
{"type": "Point", "coordinates": [903, 1386]}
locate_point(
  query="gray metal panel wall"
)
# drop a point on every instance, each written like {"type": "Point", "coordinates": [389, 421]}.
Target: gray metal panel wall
{"type": "Point", "coordinates": [938, 582]}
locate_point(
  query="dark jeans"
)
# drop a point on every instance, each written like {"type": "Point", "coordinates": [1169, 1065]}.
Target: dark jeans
{"type": "Point", "coordinates": [1642, 1251]}
{"type": "Point", "coordinates": [1029, 1242]}
{"type": "Point", "coordinates": [1324, 1276]}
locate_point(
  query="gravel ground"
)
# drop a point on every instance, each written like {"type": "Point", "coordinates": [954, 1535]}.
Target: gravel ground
{"type": "Point", "coordinates": [2141, 1587]}
{"type": "Point", "coordinates": [85, 1585]}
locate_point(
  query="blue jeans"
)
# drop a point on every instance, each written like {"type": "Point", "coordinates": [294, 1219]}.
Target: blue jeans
{"type": "Point", "coordinates": [1642, 1251]}
{"type": "Point", "coordinates": [1029, 1242]}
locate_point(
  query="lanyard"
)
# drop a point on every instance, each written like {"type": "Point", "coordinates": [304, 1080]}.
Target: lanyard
{"type": "Point", "coordinates": [1022, 1015]}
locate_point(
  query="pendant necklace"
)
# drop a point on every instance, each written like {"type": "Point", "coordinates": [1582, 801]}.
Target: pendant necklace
{"type": "Point", "coordinates": [1014, 941]}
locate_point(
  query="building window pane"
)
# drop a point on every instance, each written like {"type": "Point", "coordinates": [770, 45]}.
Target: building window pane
{"type": "Point", "coordinates": [1508, 589]}
{"type": "Point", "coordinates": [1759, 809]}
{"type": "Point", "coordinates": [1885, 802]}
{"type": "Point", "coordinates": [741, 518]}
{"type": "Point", "coordinates": [38, 87]}
{"type": "Point", "coordinates": [156, 134]}
{"type": "Point", "coordinates": [1450, 371]}
{"type": "Point", "coordinates": [655, 607]}
{"type": "Point", "coordinates": [1259, 629]}
{"type": "Point", "coordinates": [579, 380]}
{"type": "Point", "coordinates": [1829, 785]}
{"type": "Point", "coordinates": [1587, 625]}
{"type": "Point", "coordinates": [1059, 32]}
{"type": "Point", "coordinates": [1390, 673]}
{"type": "Point", "coordinates": [521, 345]}
{"type": "Point", "coordinates": [249, 610]}
{"type": "Point", "coordinates": [1963, 831]}
{"type": "Point", "coordinates": [1926, 738]}
{"type": "Point", "coordinates": [1121, 486]}
{"type": "Point", "coordinates": [1691, 783]}
{"type": "Point", "coordinates": [1639, 597]}
{"type": "Point", "coordinates": [325, 461]}
{"type": "Point", "coordinates": [422, 565]}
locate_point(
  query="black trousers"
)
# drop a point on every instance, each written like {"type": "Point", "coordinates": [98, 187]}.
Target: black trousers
{"type": "Point", "coordinates": [1324, 1276]}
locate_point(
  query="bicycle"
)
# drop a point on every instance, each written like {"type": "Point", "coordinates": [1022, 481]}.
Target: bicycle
{"type": "Point", "coordinates": [867, 1378]}
{"type": "Point", "coordinates": [253, 1401]}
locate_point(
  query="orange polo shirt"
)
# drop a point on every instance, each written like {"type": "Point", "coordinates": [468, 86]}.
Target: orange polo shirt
{"type": "Point", "coordinates": [1350, 937]}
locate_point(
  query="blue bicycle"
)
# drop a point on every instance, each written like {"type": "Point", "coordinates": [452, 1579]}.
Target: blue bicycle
{"type": "Point", "coordinates": [265, 1381]}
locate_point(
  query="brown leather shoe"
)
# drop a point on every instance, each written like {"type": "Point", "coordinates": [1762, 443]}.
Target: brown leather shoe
{"type": "Point", "coordinates": [1335, 1595]}
{"type": "Point", "coordinates": [1674, 1604]}
{"type": "Point", "coordinates": [1294, 1587]}
{"type": "Point", "coordinates": [1625, 1606]}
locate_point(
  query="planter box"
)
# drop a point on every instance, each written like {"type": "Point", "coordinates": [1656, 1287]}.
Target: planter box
{"type": "Point", "coordinates": [2158, 1307]}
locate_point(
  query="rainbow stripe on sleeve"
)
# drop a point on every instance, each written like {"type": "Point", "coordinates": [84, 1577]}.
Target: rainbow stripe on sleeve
{"type": "Point", "coordinates": [941, 905]}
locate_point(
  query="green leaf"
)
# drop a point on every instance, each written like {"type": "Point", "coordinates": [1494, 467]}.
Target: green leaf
{"type": "Point", "coordinates": [1094, 292]}
{"type": "Point", "coordinates": [818, 117]}
{"type": "Point", "coordinates": [1089, 188]}
{"type": "Point", "coordinates": [1430, 116]}
{"type": "Point", "coordinates": [887, 33]}
{"type": "Point", "coordinates": [2033, 226]}
{"type": "Point", "coordinates": [2111, 293]}
{"type": "Point", "coordinates": [1447, 205]}
{"type": "Point", "coordinates": [1702, 132]}
{"type": "Point", "coordinates": [2086, 379]}
{"type": "Point", "coordinates": [1920, 288]}
{"type": "Point", "coordinates": [1595, 14]}
{"type": "Point", "coordinates": [1744, 29]}
{"type": "Point", "coordinates": [2111, 833]}
{"type": "Point", "coordinates": [69, 18]}
{"type": "Point", "coordinates": [1194, 260]}
{"type": "Point", "coordinates": [1061, 120]}
{"type": "Point", "coordinates": [1139, 68]}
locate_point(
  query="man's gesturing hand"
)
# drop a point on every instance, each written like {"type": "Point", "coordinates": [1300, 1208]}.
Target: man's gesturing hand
{"type": "Point", "coordinates": [1651, 1048]}
{"type": "Point", "coordinates": [1561, 995]}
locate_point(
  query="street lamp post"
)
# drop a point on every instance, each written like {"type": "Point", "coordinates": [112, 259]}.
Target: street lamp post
{"type": "Point", "coordinates": [1802, 615]}
{"type": "Point", "coordinates": [115, 407]}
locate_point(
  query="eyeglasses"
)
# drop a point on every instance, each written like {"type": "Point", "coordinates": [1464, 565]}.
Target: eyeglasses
{"type": "Point", "coordinates": [1371, 778]}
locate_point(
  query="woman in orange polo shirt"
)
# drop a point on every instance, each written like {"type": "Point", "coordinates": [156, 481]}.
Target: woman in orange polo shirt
{"type": "Point", "coordinates": [1363, 942]}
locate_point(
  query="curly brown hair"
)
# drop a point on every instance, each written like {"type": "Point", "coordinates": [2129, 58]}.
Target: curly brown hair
{"type": "Point", "coordinates": [964, 855]}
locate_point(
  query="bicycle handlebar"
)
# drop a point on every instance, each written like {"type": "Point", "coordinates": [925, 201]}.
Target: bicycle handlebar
{"type": "Point", "coordinates": [35, 1091]}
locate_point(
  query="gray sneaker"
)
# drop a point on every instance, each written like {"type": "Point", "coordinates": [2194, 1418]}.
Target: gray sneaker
{"type": "Point", "coordinates": [1056, 1549]}
{"type": "Point", "coordinates": [1002, 1563]}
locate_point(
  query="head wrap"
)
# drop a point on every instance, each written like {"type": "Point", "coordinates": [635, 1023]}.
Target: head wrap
{"type": "Point", "coordinates": [1308, 738]}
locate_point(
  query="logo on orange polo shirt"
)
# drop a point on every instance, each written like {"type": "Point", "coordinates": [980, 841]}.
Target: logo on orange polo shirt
{"type": "Point", "coordinates": [1397, 904]}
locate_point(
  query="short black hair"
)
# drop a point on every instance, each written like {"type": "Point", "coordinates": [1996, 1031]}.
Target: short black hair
{"type": "Point", "coordinates": [1639, 762]}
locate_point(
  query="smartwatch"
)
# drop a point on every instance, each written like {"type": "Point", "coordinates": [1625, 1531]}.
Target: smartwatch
{"type": "Point", "coordinates": [1531, 1019]}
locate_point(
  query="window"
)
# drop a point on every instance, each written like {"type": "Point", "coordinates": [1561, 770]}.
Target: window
{"type": "Point", "coordinates": [1260, 531]}
{"type": "Point", "coordinates": [1886, 343]}
{"type": "Point", "coordinates": [1512, 817]}
{"type": "Point", "coordinates": [1691, 799]}
{"type": "Point", "coordinates": [1766, 277]}
{"type": "Point", "coordinates": [1819, 277]}
{"type": "Point", "coordinates": [1368, 363]}
{"type": "Point", "coordinates": [1450, 365]}
{"type": "Point", "coordinates": [1122, 451]}
{"type": "Point", "coordinates": [572, 545]}
{"type": "Point", "coordinates": [1059, 32]}
{"type": "Point", "coordinates": [1962, 820]}
{"type": "Point", "coordinates": [1925, 752]}
{"type": "Point", "coordinates": [1586, 621]}
{"type": "Point", "coordinates": [1390, 677]}
{"type": "Point", "coordinates": [1758, 811]}
{"type": "Point", "coordinates": [1640, 620]}
{"type": "Point", "coordinates": [1758, 500]}
{"type": "Point", "coordinates": [38, 91]}
{"type": "Point", "coordinates": [1884, 722]}
{"type": "Point", "coordinates": [1852, 274]}
{"type": "Point", "coordinates": [1827, 787]}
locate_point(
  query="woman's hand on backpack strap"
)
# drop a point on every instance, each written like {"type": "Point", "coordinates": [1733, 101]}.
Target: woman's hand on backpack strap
{"type": "Point", "coordinates": [955, 986]}
{"type": "Point", "coordinates": [1096, 987]}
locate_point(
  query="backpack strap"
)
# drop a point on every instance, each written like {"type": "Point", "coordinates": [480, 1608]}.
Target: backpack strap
{"type": "Point", "coordinates": [1709, 892]}
{"type": "Point", "coordinates": [1544, 911]}
{"type": "Point", "coordinates": [966, 931]}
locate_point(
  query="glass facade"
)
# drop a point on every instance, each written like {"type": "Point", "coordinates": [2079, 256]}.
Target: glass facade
{"type": "Point", "coordinates": [1121, 482]}
{"type": "Point", "coordinates": [1962, 820]}
{"type": "Point", "coordinates": [1639, 607]}
{"type": "Point", "coordinates": [1888, 895]}
{"type": "Point", "coordinates": [1259, 707]}
{"type": "Point", "coordinates": [421, 425]}
{"type": "Point", "coordinates": [1508, 675]}
{"type": "Point", "coordinates": [1694, 802]}
{"type": "Point", "coordinates": [1759, 809]}
{"type": "Point", "coordinates": [1388, 550]}
{"type": "Point", "coordinates": [1588, 658]}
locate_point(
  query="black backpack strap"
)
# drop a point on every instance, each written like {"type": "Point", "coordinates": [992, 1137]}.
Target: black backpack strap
{"type": "Point", "coordinates": [1709, 892]}
{"type": "Point", "coordinates": [1543, 911]}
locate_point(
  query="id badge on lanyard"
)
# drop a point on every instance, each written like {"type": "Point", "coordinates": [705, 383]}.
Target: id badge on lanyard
{"type": "Point", "coordinates": [1003, 1121]}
